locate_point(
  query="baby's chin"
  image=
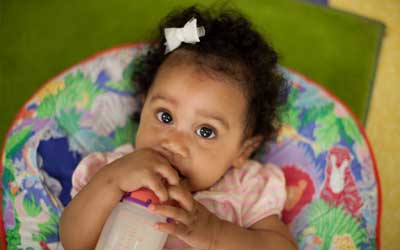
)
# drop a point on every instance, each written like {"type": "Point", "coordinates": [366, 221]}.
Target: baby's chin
{"type": "Point", "coordinates": [192, 187]}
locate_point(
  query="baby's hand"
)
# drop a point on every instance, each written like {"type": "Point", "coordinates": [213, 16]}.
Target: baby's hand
{"type": "Point", "coordinates": [192, 222]}
{"type": "Point", "coordinates": [144, 168]}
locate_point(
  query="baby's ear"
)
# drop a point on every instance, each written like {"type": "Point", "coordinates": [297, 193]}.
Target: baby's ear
{"type": "Point", "coordinates": [248, 147]}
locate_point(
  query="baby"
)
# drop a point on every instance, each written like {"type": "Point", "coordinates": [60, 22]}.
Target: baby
{"type": "Point", "coordinates": [211, 96]}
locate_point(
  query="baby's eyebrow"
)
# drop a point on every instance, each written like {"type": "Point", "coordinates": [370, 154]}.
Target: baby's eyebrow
{"type": "Point", "coordinates": [164, 98]}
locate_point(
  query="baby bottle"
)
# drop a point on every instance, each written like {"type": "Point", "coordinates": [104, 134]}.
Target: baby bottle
{"type": "Point", "coordinates": [130, 225]}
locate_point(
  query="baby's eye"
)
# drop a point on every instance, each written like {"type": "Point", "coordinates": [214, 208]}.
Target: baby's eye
{"type": "Point", "coordinates": [164, 117]}
{"type": "Point", "coordinates": [205, 132]}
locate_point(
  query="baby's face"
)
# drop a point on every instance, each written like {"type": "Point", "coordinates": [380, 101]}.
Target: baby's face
{"type": "Point", "coordinates": [195, 121]}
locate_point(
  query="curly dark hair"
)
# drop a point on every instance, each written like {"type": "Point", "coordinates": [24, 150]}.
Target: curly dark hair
{"type": "Point", "coordinates": [231, 47]}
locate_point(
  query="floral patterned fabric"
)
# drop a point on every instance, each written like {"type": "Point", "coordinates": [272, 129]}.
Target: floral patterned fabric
{"type": "Point", "coordinates": [333, 190]}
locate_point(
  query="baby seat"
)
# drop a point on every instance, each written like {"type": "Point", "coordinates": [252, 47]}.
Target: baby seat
{"type": "Point", "coordinates": [332, 182]}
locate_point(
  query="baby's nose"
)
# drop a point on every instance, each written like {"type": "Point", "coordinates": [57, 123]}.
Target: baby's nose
{"type": "Point", "coordinates": [176, 145]}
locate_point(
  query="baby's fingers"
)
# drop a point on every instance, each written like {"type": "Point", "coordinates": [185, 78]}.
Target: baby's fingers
{"type": "Point", "coordinates": [168, 173]}
{"type": "Point", "coordinates": [182, 196]}
{"type": "Point", "coordinates": [178, 214]}
{"type": "Point", "coordinates": [157, 186]}
{"type": "Point", "coordinates": [179, 230]}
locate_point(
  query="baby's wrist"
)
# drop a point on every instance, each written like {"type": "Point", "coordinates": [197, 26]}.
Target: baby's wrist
{"type": "Point", "coordinates": [217, 227]}
{"type": "Point", "coordinates": [110, 179]}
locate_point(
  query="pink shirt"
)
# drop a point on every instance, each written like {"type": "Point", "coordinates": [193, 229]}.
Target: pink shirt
{"type": "Point", "coordinates": [243, 195]}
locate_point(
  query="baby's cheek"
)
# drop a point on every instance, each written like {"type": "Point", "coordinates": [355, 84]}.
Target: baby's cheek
{"type": "Point", "coordinates": [203, 179]}
{"type": "Point", "coordinates": [145, 137]}
{"type": "Point", "coordinates": [196, 182]}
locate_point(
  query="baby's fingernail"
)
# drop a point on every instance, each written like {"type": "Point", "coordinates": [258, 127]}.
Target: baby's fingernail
{"type": "Point", "coordinates": [152, 207]}
{"type": "Point", "coordinates": [170, 220]}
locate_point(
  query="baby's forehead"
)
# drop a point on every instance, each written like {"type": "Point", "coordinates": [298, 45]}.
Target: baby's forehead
{"type": "Point", "coordinates": [212, 66]}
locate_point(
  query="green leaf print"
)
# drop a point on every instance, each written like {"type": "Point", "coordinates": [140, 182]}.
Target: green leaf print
{"type": "Point", "coordinates": [30, 206]}
{"type": "Point", "coordinates": [294, 93]}
{"type": "Point", "coordinates": [290, 114]}
{"type": "Point", "coordinates": [123, 85]}
{"type": "Point", "coordinates": [70, 78]}
{"type": "Point", "coordinates": [343, 132]}
{"type": "Point", "coordinates": [314, 112]}
{"type": "Point", "coordinates": [327, 132]}
{"type": "Point", "coordinates": [17, 140]}
{"type": "Point", "coordinates": [48, 228]}
{"type": "Point", "coordinates": [47, 107]}
{"type": "Point", "coordinates": [8, 172]}
{"type": "Point", "coordinates": [90, 141]}
{"type": "Point", "coordinates": [291, 117]}
{"type": "Point", "coordinates": [69, 121]}
{"type": "Point", "coordinates": [129, 70]}
{"type": "Point", "coordinates": [330, 221]}
{"type": "Point", "coordinates": [126, 134]}
{"type": "Point", "coordinates": [79, 92]}
{"type": "Point", "coordinates": [352, 129]}
{"type": "Point", "coordinates": [13, 237]}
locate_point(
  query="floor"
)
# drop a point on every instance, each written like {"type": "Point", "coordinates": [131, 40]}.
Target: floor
{"type": "Point", "coordinates": [383, 125]}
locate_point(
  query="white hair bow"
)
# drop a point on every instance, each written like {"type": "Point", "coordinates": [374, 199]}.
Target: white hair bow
{"type": "Point", "coordinates": [189, 33]}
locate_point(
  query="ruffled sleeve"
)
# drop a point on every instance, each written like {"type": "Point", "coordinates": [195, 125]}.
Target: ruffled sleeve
{"type": "Point", "coordinates": [248, 194]}
{"type": "Point", "coordinates": [264, 192]}
{"type": "Point", "coordinates": [92, 163]}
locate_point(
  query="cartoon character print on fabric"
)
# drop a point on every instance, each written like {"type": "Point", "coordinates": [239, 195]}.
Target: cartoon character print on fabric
{"type": "Point", "coordinates": [300, 191]}
{"type": "Point", "coordinates": [340, 186]}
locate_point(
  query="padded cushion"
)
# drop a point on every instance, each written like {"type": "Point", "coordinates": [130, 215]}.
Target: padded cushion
{"type": "Point", "coordinates": [329, 166]}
